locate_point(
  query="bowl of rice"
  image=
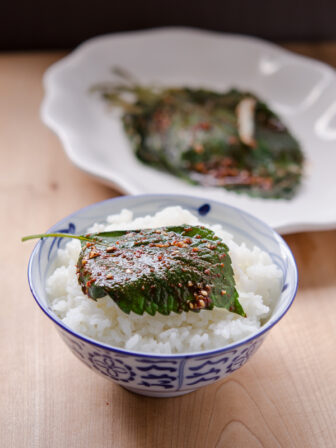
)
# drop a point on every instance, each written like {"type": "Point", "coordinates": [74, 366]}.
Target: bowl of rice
{"type": "Point", "coordinates": [165, 355]}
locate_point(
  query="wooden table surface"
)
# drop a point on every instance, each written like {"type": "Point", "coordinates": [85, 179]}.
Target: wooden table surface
{"type": "Point", "coordinates": [284, 397]}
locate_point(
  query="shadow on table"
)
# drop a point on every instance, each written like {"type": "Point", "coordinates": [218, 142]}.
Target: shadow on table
{"type": "Point", "coordinates": [199, 419]}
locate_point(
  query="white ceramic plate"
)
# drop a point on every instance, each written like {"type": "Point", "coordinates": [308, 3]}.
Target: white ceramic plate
{"type": "Point", "coordinates": [302, 91]}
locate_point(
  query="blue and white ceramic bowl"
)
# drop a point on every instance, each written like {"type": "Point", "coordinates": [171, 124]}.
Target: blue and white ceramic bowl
{"type": "Point", "coordinates": [165, 375]}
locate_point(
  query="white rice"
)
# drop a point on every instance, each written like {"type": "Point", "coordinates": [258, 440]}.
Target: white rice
{"type": "Point", "coordinates": [258, 282]}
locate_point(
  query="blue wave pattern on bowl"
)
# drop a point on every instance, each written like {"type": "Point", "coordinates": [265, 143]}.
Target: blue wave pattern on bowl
{"type": "Point", "coordinates": [157, 374]}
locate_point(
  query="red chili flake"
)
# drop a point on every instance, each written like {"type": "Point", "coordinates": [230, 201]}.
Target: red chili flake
{"type": "Point", "coordinates": [160, 257]}
{"type": "Point", "coordinates": [195, 249]}
{"type": "Point", "coordinates": [198, 237]}
{"type": "Point", "coordinates": [223, 292]}
{"type": "Point", "coordinates": [187, 229]}
{"type": "Point", "coordinates": [89, 282]}
{"type": "Point", "coordinates": [143, 287]}
{"type": "Point", "coordinates": [222, 265]}
{"type": "Point", "coordinates": [179, 285]}
{"type": "Point", "coordinates": [179, 244]}
{"type": "Point", "coordinates": [110, 277]}
{"type": "Point", "coordinates": [204, 125]}
{"type": "Point", "coordinates": [207, 271]}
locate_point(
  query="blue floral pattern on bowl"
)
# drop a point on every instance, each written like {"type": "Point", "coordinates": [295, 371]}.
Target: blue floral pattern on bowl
{"type": "Point", "coordinates": [155, 374]}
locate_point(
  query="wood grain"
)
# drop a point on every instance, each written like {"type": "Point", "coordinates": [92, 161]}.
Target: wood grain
{"type": "Point", "coordinates": [284, 397]}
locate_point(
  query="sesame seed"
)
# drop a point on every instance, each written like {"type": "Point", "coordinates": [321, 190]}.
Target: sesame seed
{"type": "Point", "coordinates": [93, 254]}
{"type": "Point", "coordinates": [201, 303]}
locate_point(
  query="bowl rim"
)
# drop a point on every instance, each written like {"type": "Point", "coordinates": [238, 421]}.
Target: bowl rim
{"type": "Point", "coordinates": [262, 330]}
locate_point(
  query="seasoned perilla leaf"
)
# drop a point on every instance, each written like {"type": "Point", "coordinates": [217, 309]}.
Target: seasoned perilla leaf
{"type": "Point", "coordinates": [230, 140]}
{"type": "Point", "coordinates": [162, 270]}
